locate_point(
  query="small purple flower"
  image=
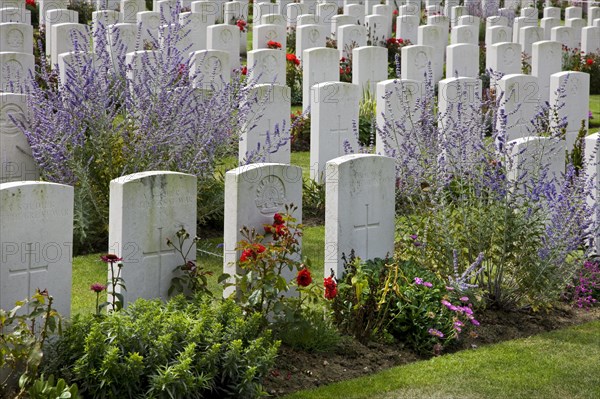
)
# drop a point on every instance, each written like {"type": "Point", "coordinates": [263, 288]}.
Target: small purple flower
{"type": "Point", "coordinates": [446, 303]}
{"type": "Point", "coordinates": [418, 281]}
{"type": "Point", "coordinates": [475, 322]}
{"type": "Point", "coordinates": [427, 284]}
{"type": "Point", "coordinates": [449, 288]}
{"type": "Point", "coordinates": [435, 333]}
{"type": "Point", "coordinates": [464, 299]}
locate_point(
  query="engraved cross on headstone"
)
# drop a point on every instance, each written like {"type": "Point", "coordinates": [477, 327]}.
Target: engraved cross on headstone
{"type": "Point", "coordinates": [366, 226]}
{"type": "Point", "coordinates": [29, 269]}
{"type": "Point", "coordinates": [338, 132]}
{"type": "Point", "coordinates": [159, 254]}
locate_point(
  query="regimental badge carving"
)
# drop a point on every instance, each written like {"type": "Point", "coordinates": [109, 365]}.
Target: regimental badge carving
{"type": "Point", "coordinates": [7, 127]}
{"type": "Point", "coordinates": [314, 35]}
{"type": "Point", "coordinates": [509, 56]}
{"type": "Point", "coordinates": [421, 60]}
{"type": "Point", "coordinates": [226, 36]}
{"type": "Point", "coordinates": [270, 195]}
{"type": "Point", "coordinates": [153, 22]}
{"type": "Point", "coordinates": [212, 66]}
{"type": "Point", "coordinates": [270, 65]}
{"type": "Point", "coordinates": [14, 39]}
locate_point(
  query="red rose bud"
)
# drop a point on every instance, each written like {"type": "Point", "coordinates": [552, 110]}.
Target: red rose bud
{"type": "Point", "coordinates": [330, 287]}
{"type": "Point", "coordinates": [303, 278]}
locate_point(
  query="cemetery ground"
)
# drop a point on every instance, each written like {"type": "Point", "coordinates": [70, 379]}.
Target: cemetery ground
{"type": "Point", "coordinates": [561, 362]}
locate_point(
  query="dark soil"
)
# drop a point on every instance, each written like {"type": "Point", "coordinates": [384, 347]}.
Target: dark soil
{"type": "Point", "coordinates": [296, 370]}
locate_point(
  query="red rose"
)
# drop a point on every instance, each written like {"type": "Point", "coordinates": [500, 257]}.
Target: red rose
{"type": "Point", "coordinates": [110, 258]}
{"type": "Point", "coordinates": [400, 40]}
{"type": "Point", "coordinates": [303, 278]}
{"type": "Point", "coordinates": [330, 287]}
{"type": "Point", "coordinates": [589, 61]}
{"type": "Point", "coordinates": [342, 71]}
{"type": "Point", "coordinates": [348, 70]}
{"type": "Point", "coordinates": [30, 3]}
{"type": "Point", "coordinates": [273, 44]}
{"type": "Point", "coordinates": [395, 12]}
{"type": "Point", "coordinates": [278, 219]}
{"type": "Point", "coordinates": [343, 59]}
{"type": "Point", "coordinates": [246, 255]}
{"type": "Point", "coordinates": [259, 248]}
{"type": "Point", "coordinates": [244, 71]}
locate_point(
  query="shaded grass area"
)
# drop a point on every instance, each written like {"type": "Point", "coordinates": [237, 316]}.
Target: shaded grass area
{"type": "Point", "coordinates": [559, 364]}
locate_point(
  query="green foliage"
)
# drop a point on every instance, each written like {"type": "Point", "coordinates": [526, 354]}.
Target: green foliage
{"type": "Point", "coordinates": [308, 330]}
{"type": "Point", "coordinates": [178, 349]}
{"type": "Point", "coordinates": [313, 199]}
{"type": "Point", "coordinates": [300, 131]}
{"type": "Point", "coordinates": [23, 332]}
{"type": "Point", "coordinates": [193, 279]}
{"type": "Point", "coordinates": [360, 309]}
{"type": "Point", "coordinates": [576, 60]}
{"type": "Point", "coordinates": [425, 314]}
{"type": "Point", "coordinates": [261, 285]}
{"type": "Point", "coordinates": [84, 10]}
{"type": "Point", "coordinates": [366, 119]}
{"type": "Point", "coordinates": [47, 389]}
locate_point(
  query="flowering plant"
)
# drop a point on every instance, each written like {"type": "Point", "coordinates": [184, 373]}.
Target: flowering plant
{"type": "Point", "coordinates": [346, 69]}
{"type": "Point", "coordinates": [242, 25]}
{"type": "Point", "coordinates": [273, 45]}
{"type": "Point", "coordinates": [190, 278]}
{"type": "Point", "coordinates": [585, 289]}
{"type": "Point", "coordinates": [116, 284]}
{"type": "Point", "coordinates": [577, 60]}
{"type": "Point", "coordinates": [293, 77]}
{"type": "Point", "coordinates": [394, 47]}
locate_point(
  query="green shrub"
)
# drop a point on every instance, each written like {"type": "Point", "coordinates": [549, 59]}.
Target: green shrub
{"type": "Point", "coordinates": [308, 331]}
{"type": "Point", "coordinates": [48, 389]}
{"type": "Point", "coordinates": [176, 349]}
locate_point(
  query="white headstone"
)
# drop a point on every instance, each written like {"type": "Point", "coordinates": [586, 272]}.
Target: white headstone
{"type": "Point", "coordinates": [590, 39]}
{"type": "Point", "coordinates": [521, 22]}
{"type": "Point", "coordinates": [267, 66]}
{"type": "Point", "coordinates": [75, 65]}
{"type": "Point", "coordinates": [503, 58]}
{"type": "Point", "coordinates": [150, 22]}
{"type": "Point", "coordinates": [210, 69]}
{"type": "Point", "coordinates": [573, 12]}
{"type": "Point", "coordinates": [122, 39]}
{"type": "Point", "coordinates": [146, 209]}
{"type": "Point", "coordinates": [397, 112]}
{"type": "Point", "coordinates": [564, 35]}
{"type": "Point", "coordinates": [194, 30]}
{"type": "Point", "coordinates": [267, 134]}
{"type": "Point", "coordinates": [334, 111]}
{"type": "Point", "coordinates": [531, 157]}
{"type": "Point", "coordinates": [349, 37]}
{"type": "Point", "coordinates": [548, 24]}
{"type": "Point", "coordinates": [496, 20]}
{"type": "Point", "coordinates": [341, 20]}
{"type": "Point", "coordinates": [129, 9]}
{"type": "Point", "coordinates": [552, 12]}
{"type": "Point", "coordinates": [416, 62]}
{"type": "Point", "coordinates": [47, 5]}
{"type": "Point", "coordinates": [319, 65]}
{"type": "Point", "coordinates": [57, 16]}
{"type": "Point", "coordinates": [356, 11]}
{"type": "Point", "coordinates": [407, 28]}
{"type": "Point", "coordinates": [36, 239]}
{"type": "Point", "coordinates": [497, 34]}
{"type": "Point", "coordinates": [577, 24]}
{"type": "Point", "coordinates": [293, 11]}
{"type": "Point", "coordinates": [468, 34]}
{"type": "Point", "coordinates": [569, 92]}
{"type": "Point", "coordinates": [16, 38]}
{"type": "Point", "coordinates": [68, 37]}
{"type": "Point", "coordinates": [16, 162]}
{"type": "Point", "coordinates": [546, 60]}
{"type": "Point", "coordinates": [434, 36]}
{"type": "Point", "coordinates": [263, 34]}
{"type": "Point", "coordinates": [518, 106]}
{"type": "Point", "coordinates": [369, 67]}
{"type": "Point", "coordinates": [226, 38]}
{"type": "Point", "coordinates": [273, 19]}
{"type": "Point", "coordinates": [359, 209]}
{"type": "Point", "coordinates": [326, 11]}
{"type": "Point", "coordinates": [15, 14]}
{"type": "Point", "coordinates": [378, 29]}
{"type": "Point", "coordinates": [253, 194]}
{"type": "Point", "coordinates": [592, 169]}
{"type": "Point", "coordinates": [593, 13]}
{"type": "Point", "coordinates": [310, 36]}
{"type": "Point", "coordinates": [15, 71]}
{"type": "Point", "coordinates": [462, 60]}
{"type": "Point", "coordinates": [529, 35]}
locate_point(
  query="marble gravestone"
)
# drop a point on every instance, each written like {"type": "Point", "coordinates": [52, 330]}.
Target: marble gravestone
{"type": "Point", "coordinates": [569, 92]}
{"type": "Point", "coordinates": [253, 194]}
{"type": "Point", "coordinates": [16, 162]}
{"type": "Point", "coordinates": [320, 65]}
{"type": "Point", "coordinates": [36, 242]}
{"type": "Point", "coordinates": [334, 112]}
{"type": "Point", "coordinates": [209, 69]}
{"type": "Point", "coordinates": [145, 210]}
{"type": "Point", "coordinates": [359, 209]}
{"type": "Point", "coordinates": [519, 104]}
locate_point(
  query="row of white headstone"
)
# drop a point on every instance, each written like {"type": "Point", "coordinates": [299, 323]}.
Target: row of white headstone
{"type": "Point", "coordinates": [148, 208]}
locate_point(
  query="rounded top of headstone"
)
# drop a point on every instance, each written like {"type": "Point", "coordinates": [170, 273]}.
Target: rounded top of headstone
{"type": "Point", "coordinates": [32, 183]}
{"type": "Point", "coordinates": [353, 157]}
{"type": "Point", "coordinates": [141, 175]}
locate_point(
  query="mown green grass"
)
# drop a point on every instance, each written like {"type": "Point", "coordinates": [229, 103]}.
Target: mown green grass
{"type": "Point", "coordinates": [557, 365]}
{"type": "Point", "coordinates": [595, 108]}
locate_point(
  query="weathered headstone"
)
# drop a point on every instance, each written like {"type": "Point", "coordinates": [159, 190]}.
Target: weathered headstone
{"type": "Point", "coordinates": [518, 106]}
{"type": "Point", "coordinates": [359, 209]}
{"type": "Point", "coordinates": [263, 34]}
{"type": "Point", "coordinates": [369, 67]}
{"type": "Point", "coordinates": [310, 36]}
{"type": "Point", "coordinates": [349, 37]}
{"type": "Point", "coordinates": [68, 37]}
{"type": "Point", "coordinates": [334, 112]}
{"type": "Point", "coordinates": [16, 37]}
{"type": "Point", "coordinates": [462, 60]}
{"type": "Point", "coordinates": [146, 209]}
{"type": "Point", "coordinates": [253, 194]}
{"type": "Point", "coordinates": [15, 71]}
{"type": "Point", "coordinates": [267, 134]}
{"type": "Point", "coordinates": [16, 162]}
{"type": "Point", "coordinates": [319, 65]}
{"type": "Point", "coordinates": [569, 92]}
{"type": "Point", "coordinates": [225, 38]}
{"type": "Point", "coordinates": [36, 242]}
{"type": "Point", "coordinates": [210, 69]}
{"type": "Point", "coordinates": [546, 60]}
{"type": "Point", "coordinates": [416, 62]}
{"type": "Point", "coordinates": [267, 66]}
